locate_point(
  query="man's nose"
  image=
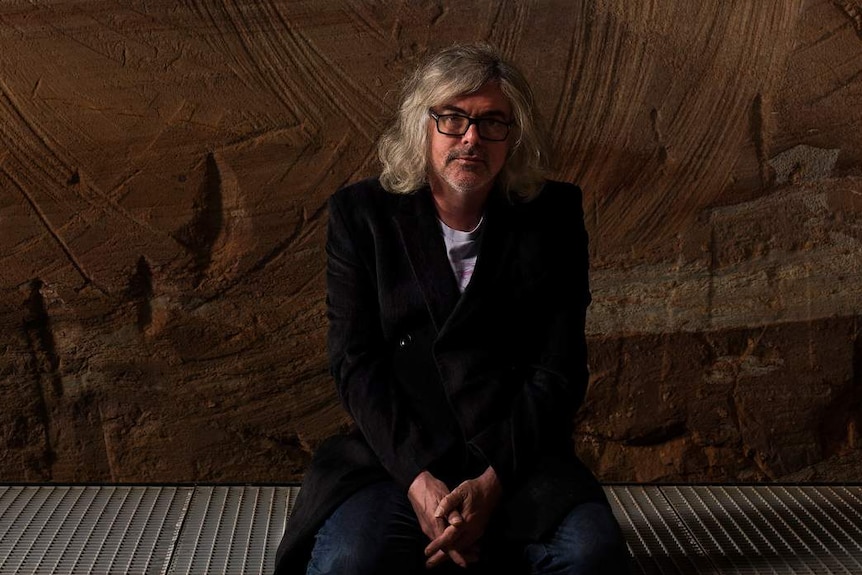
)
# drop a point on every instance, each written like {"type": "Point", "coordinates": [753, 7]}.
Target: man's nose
{"type": "Point", "coordinates": [471, 135]}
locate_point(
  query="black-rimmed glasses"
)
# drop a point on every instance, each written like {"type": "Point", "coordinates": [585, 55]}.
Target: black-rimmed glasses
{"type": "Point", "coordinates": [458, 124]}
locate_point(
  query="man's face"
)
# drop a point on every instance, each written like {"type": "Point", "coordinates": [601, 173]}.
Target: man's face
{"type": "Point", "coordinates": [468, 163]}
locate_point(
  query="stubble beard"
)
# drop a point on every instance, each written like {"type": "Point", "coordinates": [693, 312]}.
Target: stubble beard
{"type": "Point", "coordinates": [465, 178]}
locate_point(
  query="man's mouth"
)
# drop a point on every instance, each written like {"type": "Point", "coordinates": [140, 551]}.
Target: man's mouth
{"type": "Point", "coordinates": [466, 158]}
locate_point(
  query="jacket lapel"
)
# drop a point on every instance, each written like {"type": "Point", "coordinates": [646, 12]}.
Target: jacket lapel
{"type": "Point", "coordinates": [417, 223]}
{"type": "Point", "coordinates": [496, 245]}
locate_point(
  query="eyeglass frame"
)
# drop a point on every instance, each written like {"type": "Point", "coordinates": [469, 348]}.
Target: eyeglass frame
{"type": "Point", "coordinates": [470, 122]}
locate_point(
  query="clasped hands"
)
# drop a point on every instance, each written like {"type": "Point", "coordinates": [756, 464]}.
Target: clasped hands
{"type": "Point", "coordinates": [454, 520]}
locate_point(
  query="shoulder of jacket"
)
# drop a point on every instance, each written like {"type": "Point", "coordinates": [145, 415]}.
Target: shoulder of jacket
{"type": "Point", "coordinates": [558, 196]}
{"type": "Point", "coordinates": [365, 186]}
{"type": "Point", "coordinates": [362, 192]}
{"type": "Point", "coordinates": [558, 187]}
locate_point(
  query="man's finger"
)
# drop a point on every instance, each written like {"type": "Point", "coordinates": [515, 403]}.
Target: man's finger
{"type": "Point", "coordinates": [454, 556]}
{"type": "Point", "coordinates": [443, 542]}
{"type": "Point", "coordinates": [449, 504]}
{"type": "Point", "coordinates": [458, 558]}
{"type": "Point", "coordinates": [436, 560]}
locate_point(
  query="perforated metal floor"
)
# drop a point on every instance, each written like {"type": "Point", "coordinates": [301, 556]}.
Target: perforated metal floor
{"type": "Point", "coordinates": [742, 529]}
{"type": "Point", "coordinates": [235, 529]}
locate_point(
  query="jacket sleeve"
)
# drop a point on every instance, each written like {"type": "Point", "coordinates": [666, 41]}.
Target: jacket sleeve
{"type": "Point", "coordinates": [360, 361]}
{"type": "Point", "coordinates": [552, 386]}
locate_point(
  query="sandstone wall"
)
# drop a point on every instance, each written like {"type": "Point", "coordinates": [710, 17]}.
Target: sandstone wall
{"type": "Point", "coordinates": [163, 172]}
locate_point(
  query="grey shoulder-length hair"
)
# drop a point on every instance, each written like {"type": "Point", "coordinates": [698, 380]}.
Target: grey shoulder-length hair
{"type": "Point", "coordinates": [458, 70]}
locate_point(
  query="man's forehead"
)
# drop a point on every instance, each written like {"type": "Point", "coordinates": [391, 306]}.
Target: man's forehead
{"type": "Point", "coordinates": [489, 99]}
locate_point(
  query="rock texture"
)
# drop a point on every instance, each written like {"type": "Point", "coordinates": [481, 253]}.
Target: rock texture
{"type": "Point", "coordinates": [164, 168]}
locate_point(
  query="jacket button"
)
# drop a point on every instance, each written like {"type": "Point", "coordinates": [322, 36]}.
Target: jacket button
{"type": "Point", "coordinates": [405, 340]}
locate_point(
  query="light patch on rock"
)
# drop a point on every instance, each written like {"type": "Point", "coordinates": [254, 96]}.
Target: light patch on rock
{"type": "Point", "coordinates": [804, 163]}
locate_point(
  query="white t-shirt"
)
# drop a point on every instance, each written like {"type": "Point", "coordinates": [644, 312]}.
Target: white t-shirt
{"type": "Point", "coordinates": [462, 248]}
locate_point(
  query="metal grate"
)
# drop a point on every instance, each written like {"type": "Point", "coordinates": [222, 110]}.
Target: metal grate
{"type": "Point", "coordinates": [235, 530]}
{"type": "Point", "coordinates": [70, 530]}
{"type": "Point", "coordinates": [768, 529]}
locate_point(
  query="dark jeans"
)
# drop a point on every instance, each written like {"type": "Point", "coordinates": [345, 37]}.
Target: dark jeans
{"type": "Point", "coordinates": [375, 532]}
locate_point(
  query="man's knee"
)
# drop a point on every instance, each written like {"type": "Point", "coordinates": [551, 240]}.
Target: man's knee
{"type": "Point", "coordinates": [587, 541]}
{"type": "Point", "coordinates": [344, 558]}
{"type": "Point", "coordinates": [372, 530]}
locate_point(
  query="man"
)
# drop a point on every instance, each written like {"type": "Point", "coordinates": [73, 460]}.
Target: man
{"type": "Point", "coordinates": [457, 290]}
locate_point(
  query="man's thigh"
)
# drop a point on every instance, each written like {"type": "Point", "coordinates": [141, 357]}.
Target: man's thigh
{"type": "Point", "coordinates": [374, 531]}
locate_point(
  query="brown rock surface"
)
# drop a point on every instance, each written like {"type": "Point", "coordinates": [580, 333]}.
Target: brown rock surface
{"type": "Point", "coordinates": [163, 174]}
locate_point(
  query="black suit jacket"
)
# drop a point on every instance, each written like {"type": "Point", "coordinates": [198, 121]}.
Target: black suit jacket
{"type": "Point", "coordinates": [450, 382]}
